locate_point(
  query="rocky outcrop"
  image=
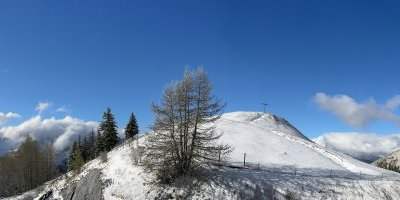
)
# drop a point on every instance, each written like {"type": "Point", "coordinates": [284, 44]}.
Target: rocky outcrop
{"type": "Point", "coordinates": [88, 188]}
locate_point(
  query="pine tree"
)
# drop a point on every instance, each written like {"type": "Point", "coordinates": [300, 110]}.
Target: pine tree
{"type": "Point", "coordinates": [85, 149]}
{"type": "Point", "coordinates": [71, 155]}
{"type": "Point", "coordinates": [99, 143]}
{"type": "Point", "coordinates": [92, 145]}
{"type": "Point", "coordinates": [76, 161]}
{"type": "Point", "coordinates": [109, 129]}
{"type": "Point", "coordinates": [132, 128]}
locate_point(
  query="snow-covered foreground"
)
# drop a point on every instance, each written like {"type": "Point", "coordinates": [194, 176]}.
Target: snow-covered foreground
{"type": "Point", "coordinates": [131, 182]}
{"type": "Point", "coordinates": [279, 159]}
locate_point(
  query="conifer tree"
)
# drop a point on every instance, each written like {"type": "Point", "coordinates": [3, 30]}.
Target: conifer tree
{"type": "Point", "coordinates": [71, 155]}
{"type": "Point", "coordinates": [99, 143]}
{"type": "Point", "coordinates": [85, 149]}
{"type": "Point", "coordinates": [108, 127]}
{"type": "Point", "coordinates": [92, 145]}
{"type": "Point", "coordinates": [131, 129]}
{"type": "Point", "coordinates": [76, 161]}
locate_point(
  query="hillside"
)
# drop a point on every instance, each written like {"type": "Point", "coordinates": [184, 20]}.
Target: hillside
{"type": "Point", "coordinates": [392, 159]}
{"type": "Point", "coordinates": [278, 159]}
{"type": "Point", "coordinates": [271, 140]}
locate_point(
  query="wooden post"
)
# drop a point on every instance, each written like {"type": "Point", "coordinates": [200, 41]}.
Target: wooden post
{"type": "Point", "coordinates": [244, 159]}
{"type": "Point", "coordinates": [219, 155]}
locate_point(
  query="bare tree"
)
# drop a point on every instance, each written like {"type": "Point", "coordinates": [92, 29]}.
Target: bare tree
{"type": "Point", "coordinates": [26, 168]}
{"type": "Point", "coordinates": [184, 137]}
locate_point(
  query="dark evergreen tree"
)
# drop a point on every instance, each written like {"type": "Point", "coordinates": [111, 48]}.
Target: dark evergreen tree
{"type": "Point", "coordinates": [71, 155]}
{"type": "Point", "coordinates": [92, 145]}
{"type": "Point", "coordinates": [108, 127]}
{"type": "Point", "coordinates": [76, 161]}
{"type": "Point", "coordinates": [85, 149]}
{"type": "Point", "coordinates": [132, 128]}
{"type": "Point", "coordinates": [79, 141]}
{"type": "Point", "coordinates": [99, 143]}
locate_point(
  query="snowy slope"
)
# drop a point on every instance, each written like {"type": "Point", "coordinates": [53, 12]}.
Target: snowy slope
{"type": "Point", "coordinates": [268, 139]}
{"type": "Point", "coordinates": [279, 157]}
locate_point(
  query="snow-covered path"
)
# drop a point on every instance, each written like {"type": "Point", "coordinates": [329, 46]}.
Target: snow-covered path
{"type": "Point", "coordinates": [124, 180]}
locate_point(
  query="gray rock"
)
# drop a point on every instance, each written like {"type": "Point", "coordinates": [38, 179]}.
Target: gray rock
{"type": "Point", "coordinates": [88, 188]}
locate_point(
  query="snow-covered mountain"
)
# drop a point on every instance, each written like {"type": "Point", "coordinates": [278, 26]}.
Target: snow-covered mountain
{"type": "Point", "coordinates": [392, 159]}
{"type": "Point", "coordinates": [279, 160]}
{"type": "Point", "coordinates": [271, 140]}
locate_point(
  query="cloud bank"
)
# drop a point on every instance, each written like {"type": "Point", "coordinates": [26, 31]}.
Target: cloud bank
{"type": "Point", "coordinates": [359, 114]}
{"type": "Point", "coordinates": [60, 132]}
{"type": "Point", "coordinates": [363, 146]}
{"type": "Point", "coordinates": [4, 117]}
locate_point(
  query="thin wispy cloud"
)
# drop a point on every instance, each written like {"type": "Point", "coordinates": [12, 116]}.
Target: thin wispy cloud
{"type": "Point", "coordinates": [4, 117]}
{"type": "Point", "coordinates": [359, 114]}
{"type": "Point", "coordinates": [42, 106]}
{"type": "Point", "coordinates": [63, 109]}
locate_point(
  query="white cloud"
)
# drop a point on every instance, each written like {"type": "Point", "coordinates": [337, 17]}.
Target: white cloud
{"type": "Point", "coordinates": [363, 146]}
{"type": "Point", "coordinates": [393, 103]}
{"type": "Point", "coordinates": [61, 132]}
{"type": "Point", "coordinates": [63, 109]}
{"type": "Point", "coordinates": [359, 114]}
{"type": "Point", "coordinates": [42, 106]}
{"type": "Point", "coordinates": [8, 116]}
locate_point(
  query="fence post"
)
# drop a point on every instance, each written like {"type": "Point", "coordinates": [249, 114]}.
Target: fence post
{"type": "Point", "coordinates": [219, 155]}
{"type": "Point", "coordinates": [244, 159]}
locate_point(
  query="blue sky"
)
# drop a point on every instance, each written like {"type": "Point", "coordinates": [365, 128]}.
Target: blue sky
{"type": "Point", "coordinates": [87, 55]}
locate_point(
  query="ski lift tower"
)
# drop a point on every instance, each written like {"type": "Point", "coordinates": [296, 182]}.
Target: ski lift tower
{"type": "Point", "coordinates": [265, 106]}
